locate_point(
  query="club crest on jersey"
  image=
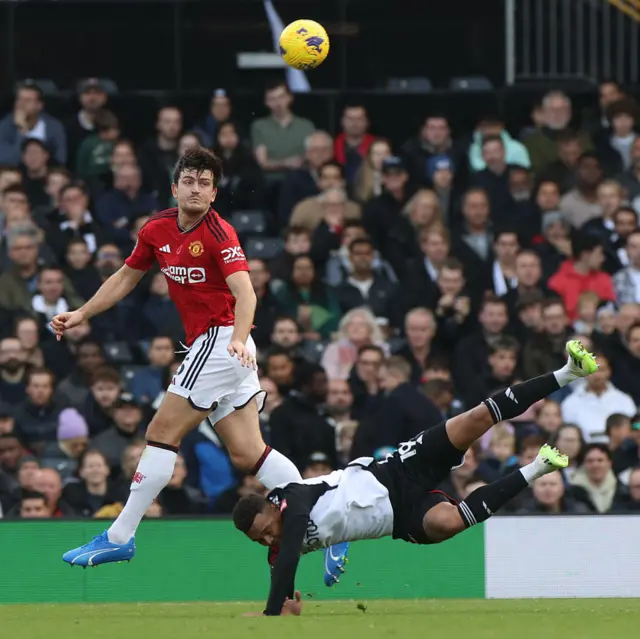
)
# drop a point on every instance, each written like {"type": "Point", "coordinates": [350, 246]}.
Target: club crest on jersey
{"type": "Point", "coordinates": [196, 248]}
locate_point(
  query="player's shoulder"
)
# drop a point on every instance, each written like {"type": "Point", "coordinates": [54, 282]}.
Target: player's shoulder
{"type": "Point", "coordinates": [217, 229]}
{"type": "Point", "coordinates": [160, 219]}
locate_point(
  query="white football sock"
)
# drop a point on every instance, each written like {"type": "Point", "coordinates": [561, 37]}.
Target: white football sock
{"type": "Point", "coordinates": [277, 469]}
{"type": "Point", "coordinates": [152, 475]}
{"type": "Point", "coordinates": [537, 468]}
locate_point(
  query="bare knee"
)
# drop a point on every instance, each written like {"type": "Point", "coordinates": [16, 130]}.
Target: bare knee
{"type": "Point", "coordinates": [442, 522]}
{"type": "Point", "coordinates": [240, 432]}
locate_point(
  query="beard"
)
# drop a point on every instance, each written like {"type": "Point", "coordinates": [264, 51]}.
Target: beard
{"type": "Point", "coordinates": [12, 365]}
{"type": "Point", "coordinates": [194, 208]}
{"type": "Point", "coordinates": [337, 411]}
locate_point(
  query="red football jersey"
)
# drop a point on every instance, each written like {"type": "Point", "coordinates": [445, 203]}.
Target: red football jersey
{"type": "Point", "coordinates": [196, 264]}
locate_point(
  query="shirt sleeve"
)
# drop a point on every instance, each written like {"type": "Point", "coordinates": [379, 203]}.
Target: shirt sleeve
{"type": "Point", "coordinates": [142, 256]}
{"type": "Point", "coordinates": [230, 256]}
{"type": "Point", "coordinates": [295, 519]}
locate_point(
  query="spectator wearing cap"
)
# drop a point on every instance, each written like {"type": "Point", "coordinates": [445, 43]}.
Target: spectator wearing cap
{"type": "Point", "coordinates": [159, 154]}
{"type": "Point", "coordinates": [93, 488]}
{"type": "Point", "coordinates": [581, 203]}
{"type": "Point", "coordinates": [630, 179]}
{"type": "Point", "coordinates": [594, 483]}
{"type": "Point", "coordinates": [92, 96]}
{"type": "Point", "coordinates": [441, 173]}
{"type": "Point", "coordinates": [433, 139]}
{"type": "Point", "coordinates": [242, 184]}
{"type": "Point", "coordinates": [382, 212]}
{"type": "Point", "coordinates": [368, 180]}
{"type": "Point", "coordinates": [353, 142]}
{"type": "Point", "coordinates": [302, 182]}
{"type": "Point", "coordinates": [117, 208]}
{"type": "Point", "coordinates": [29, 120]}
{"type": "Point", "coordinates": [35, 162]}
{"type": "Point", "coordinates": [300, 425]}
{"type": "Point", "coordinates": [627, 281]}
{"type": "Point", "coordinates": [220, 111]}
{"type": "Point", "coordinates": [542, 144]}
{"type": "Point", "coordinates": [127, 426]}
{"type": "Point", "coordinates": [310, 212]}
{"type": "Point", "coordinates": [592, 402]}
{"type": "Point", "coordinates": [93, 163]}
{"type": "Point", "coordinates": [515, 152]}
{"type": "Point", "coordinates": [317, 465]}
{"type": "Point", "coordinates": [37, 417]}
{"type": "Point", "coordinates": [582, 273]}
{"type": "Point", "coordinates": [72, 440]}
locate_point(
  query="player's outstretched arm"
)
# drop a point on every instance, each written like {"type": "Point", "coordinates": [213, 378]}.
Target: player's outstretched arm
{"type": "Point", "coordinates": [116, 288]}
{"type": "Point", "coordinates": [242, 289]}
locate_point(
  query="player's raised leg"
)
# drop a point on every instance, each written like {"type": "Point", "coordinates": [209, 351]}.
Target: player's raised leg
{"type": "Point", "coordinates": [174, 419]}
{"type": "Point", "coordinates": [468, 427]}
{"type": "Point", "coordinates": [445, 520]}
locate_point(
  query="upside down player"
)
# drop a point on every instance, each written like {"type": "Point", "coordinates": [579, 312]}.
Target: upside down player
{"type": "Point", "coordinates": [397, 496]}
{"type": "Point", "coordinates": [208, 278]}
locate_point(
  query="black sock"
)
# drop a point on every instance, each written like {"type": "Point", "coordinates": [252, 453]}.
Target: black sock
{"type": "Point", "coordinates": [518, 398]}
{"type": "Point", "coordinates": [487, 500]}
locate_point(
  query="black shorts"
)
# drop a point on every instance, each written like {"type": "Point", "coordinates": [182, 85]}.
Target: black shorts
{"type": "Point", "coordinates": [412, 476]}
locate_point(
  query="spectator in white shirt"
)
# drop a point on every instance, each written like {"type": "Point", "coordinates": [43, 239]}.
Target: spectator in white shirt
{"type": "Point", "coordinates": [591, 403]}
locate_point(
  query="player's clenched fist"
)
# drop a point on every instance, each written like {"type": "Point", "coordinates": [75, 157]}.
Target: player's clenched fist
{"type": "Point", "coordinates": [64, 321]}
{"type": "Point", "coordinates": [237, 349]}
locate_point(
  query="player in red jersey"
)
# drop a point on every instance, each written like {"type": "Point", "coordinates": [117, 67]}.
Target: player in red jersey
{"type": "Point", "coordinates": [208, 277]}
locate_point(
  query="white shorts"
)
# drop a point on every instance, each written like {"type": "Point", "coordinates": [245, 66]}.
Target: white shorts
{"type": "Point", "coordinates": [212, 380]}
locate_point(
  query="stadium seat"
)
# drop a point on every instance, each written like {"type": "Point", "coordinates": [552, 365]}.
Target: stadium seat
{"type": "Point", "coordinates": [409, 85]}
{"type": "Point", "coordinates": [46, 85]}
{"type": "Point", "coordinates": [249, 222]}
{"type": "Point", "coordinates": [471, 83]}
{"type": "Point", "coordinates": [118, 353]}
{"type": "Point", "coordinates": [264, 248]}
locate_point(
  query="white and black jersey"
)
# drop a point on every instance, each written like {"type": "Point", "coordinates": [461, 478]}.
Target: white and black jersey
{"type": "Point", "coordinates": [366, 500]}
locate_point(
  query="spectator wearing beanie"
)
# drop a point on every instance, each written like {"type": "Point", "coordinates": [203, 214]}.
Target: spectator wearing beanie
{"type": "Point", "coordinates": [72, 439]}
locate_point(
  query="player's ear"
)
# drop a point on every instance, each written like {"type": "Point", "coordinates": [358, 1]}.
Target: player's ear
{"type": "Point", "coordinates": [213, 197]}
{"type": "Point", "coordinates": [174, 190]}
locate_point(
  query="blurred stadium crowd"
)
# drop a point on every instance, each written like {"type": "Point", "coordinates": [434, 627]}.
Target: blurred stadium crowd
{"type": "Point", "coordinates": [397, 285]}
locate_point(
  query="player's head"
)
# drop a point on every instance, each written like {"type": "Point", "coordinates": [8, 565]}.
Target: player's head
{"type": "Point", "coordinates": [195, 180]}
{"type": "Point", "coordinates": [258, 519]}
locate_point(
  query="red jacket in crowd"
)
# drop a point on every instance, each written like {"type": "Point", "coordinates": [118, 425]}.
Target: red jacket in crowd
{"type": "Point", "coordinates": [570, 284]}
{"type": "Point", "coordinates": [340, 146]}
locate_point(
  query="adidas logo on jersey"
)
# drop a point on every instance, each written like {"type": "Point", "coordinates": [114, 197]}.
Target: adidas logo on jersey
{"type": "Point", "coordinates": [510, 395]}
{"type": "Point", "coordinates": [165, 249]}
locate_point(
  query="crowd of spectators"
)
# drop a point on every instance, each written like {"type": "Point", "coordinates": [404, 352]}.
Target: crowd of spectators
{"type": "Point", "coordinates": [397, 285]}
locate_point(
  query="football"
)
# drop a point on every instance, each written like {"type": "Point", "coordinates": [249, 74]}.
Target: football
{"type": "Point", "coordinates": [304, 44]}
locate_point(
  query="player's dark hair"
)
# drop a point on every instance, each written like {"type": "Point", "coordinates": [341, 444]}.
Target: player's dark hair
{"type": "Point", "coordinates": [245, 511]}
{"type": "Point", "coordinates": [199, 159]}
